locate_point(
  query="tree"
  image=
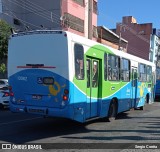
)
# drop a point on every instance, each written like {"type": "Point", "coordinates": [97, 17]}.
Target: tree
{"type": "Point", "coordinates": [5, 32]}
{"type": "Point", "coordinates": [2, 68]}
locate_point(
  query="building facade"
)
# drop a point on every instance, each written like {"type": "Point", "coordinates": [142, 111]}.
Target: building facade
{"type": "Point", "coordinates": [77, 16]}
{"type": "Point", "coordinates": [137, 35]}
{"type": "Point", "coordinates": [155, 47]}
{"type": "Point", "coordinates": [108, 37]}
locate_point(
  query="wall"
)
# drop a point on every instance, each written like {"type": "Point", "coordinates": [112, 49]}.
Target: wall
{"type": "Point", "coordinates": [137, 35]}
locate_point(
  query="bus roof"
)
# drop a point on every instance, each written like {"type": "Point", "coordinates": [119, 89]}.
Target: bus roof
{"type": "Point", "coordinates": [87, 42]}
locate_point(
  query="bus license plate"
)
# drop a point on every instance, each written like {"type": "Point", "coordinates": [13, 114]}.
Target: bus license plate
{"type": "Point", "coordinates": [36, 97]}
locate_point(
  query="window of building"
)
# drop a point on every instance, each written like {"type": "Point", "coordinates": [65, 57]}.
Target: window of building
{"type": "Point", "coordinates": [149, 73]}
{"type": "Point", "coordinates": [95, 8]}
{"type": "Point", "coordinates": [142, 72]}
{"type": "Point", "coordinates": [158, 73]}
{"type": "Point", "coordinates": [125, 70]}
{"type": "Point", "coordinates": [79, 61]}
{"type": "Point", "coordinates": [113, 67]}
{"type": "Point", "coordinates": [80, 2]}
{"type": "Point", "coordinates": [73, 22]}
{"type": "Point", "coordinates": [95, 33]}
{"type": "Point", "coordinates": [151, 56]}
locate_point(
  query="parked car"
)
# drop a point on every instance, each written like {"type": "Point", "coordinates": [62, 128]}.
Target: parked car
{"type": "Point", "coordinates": [4, 97]}
{"type": "Point", "coordinates": [4, 93]}
{"type": "Point", "coordinates": [3, 83]}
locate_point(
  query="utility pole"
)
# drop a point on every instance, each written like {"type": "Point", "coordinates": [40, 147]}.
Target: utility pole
{"type": "Point", "coordinates": [120, 36]}
{"type": "Point", "coordinates": [90, 10]}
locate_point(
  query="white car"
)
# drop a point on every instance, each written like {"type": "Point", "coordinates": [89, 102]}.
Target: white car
{"type": "Point", "coordinates": [4, 93]}
{"type": "Point", "coordinates": [4, 98]}
{"type": "Point", "coordinates": [3, 83]}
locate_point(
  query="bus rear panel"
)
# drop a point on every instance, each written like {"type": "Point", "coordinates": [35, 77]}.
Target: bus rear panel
{"type": "Point", "coordinates": [38, 75]}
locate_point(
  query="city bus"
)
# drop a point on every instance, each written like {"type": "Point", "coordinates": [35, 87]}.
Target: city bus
{"type": "Point", "coordinates": [157, 91]}
{"type": "Point", "coordinates": [61, 74]}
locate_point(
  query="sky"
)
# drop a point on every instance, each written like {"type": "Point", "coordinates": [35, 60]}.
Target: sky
{"type": "Point", "coordinates": [111, 12]}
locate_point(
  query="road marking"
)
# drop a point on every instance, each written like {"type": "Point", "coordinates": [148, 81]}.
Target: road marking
{"type": "Point", "coordinates": [7, 123]}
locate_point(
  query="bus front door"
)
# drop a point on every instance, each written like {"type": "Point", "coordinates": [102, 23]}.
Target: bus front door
{"type": "Point", "coordinates": [134, 87]}
{"type": "Point", "coordinates": [92, 70]}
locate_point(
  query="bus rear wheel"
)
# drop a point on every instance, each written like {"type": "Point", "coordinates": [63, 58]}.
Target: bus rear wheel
{"type": "Point", "coordinates": [146, 101]}
{"type": "Point", "coordinates": [112, 113]}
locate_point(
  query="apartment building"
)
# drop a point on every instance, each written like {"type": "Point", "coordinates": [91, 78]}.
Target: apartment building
{"type": "Point", "coordinates": [137, 35]}
{"type": "Point", "coordinates": [155, 46]}
{"type": "Point", "coordinates": [77, 16]}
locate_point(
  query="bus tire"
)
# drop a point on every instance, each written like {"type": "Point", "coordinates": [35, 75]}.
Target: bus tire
{"type": "Point", "coordinates": [146, 102]}
{"type": "Point", "coordinates": [112, 112]}
{"type": "Point", "coordinates": [147, 99]}
{"type": "Point", "coordinates": [141, 108]}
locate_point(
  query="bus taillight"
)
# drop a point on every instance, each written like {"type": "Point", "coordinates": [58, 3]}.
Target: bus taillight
{"type": "Point", "coordinates": [66, 91]}
{"type": "Point", "coordinates": [65, 98]}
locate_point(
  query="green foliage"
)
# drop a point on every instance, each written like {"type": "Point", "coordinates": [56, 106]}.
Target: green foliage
{"type": "Point", "coordinates": [2, 68]}
{"type": "Point", "coordinates": [4, 36]}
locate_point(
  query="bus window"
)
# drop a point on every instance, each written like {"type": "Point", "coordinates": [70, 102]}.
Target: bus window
{"type": "Point", "coordinates": [79, 61]}
{"type": "Point", "coordinates": [105, 66]}
{"type": "Point", "coordinates": [125, 70]}
{"type": "Point", "coordinates": [142, 72]}
{"type": "Point", "coordinates": [149, 73]}
{"type": "Point", "coordinates": [88, 73]}
{"type": "Point", "coordinates": [95, 74]}
{"type": "Point", "coordinates": [113, 67]}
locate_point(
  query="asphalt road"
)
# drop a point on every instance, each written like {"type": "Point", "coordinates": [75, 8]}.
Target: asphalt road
{"type": "Point", "coordinates": [135, 127]}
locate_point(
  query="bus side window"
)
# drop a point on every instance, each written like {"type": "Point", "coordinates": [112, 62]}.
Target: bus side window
{"type": "Point", "coordinates": [79, 61]}
{"type": "Point", "coordinates": [142, 72]}
{"type": "Point", "coordinates": [113, 67]}
{"type": "Point", "coordinates": [149, 73]}
{"type": "Point", "coordinates": [105, 67]}
{"type": "Point", "coordinates": [109, 73]}
{"type": "Point", "coordinates": [88, 72]}
{"type": "Point", "coordinates": [95, 74]}
{"type": "Point", "coordinates": [125, 70]}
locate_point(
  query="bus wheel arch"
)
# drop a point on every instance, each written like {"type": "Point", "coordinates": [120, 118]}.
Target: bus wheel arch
{"type": "Point", "coordinates": [112, 111]}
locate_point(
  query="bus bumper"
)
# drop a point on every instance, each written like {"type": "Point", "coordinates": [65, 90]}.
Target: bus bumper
{"type": "Point", "coordinates": [67, 112]}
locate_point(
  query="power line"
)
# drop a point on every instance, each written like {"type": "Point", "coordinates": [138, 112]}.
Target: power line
{"type": "Point", "coordinates": [29, 9]}
{"type": "Point", "coordinates": [32, 9]}
{"type": "Point", "coordinates": [24, 22]}
{"type": "Point", "coordinates": [36, 6]}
